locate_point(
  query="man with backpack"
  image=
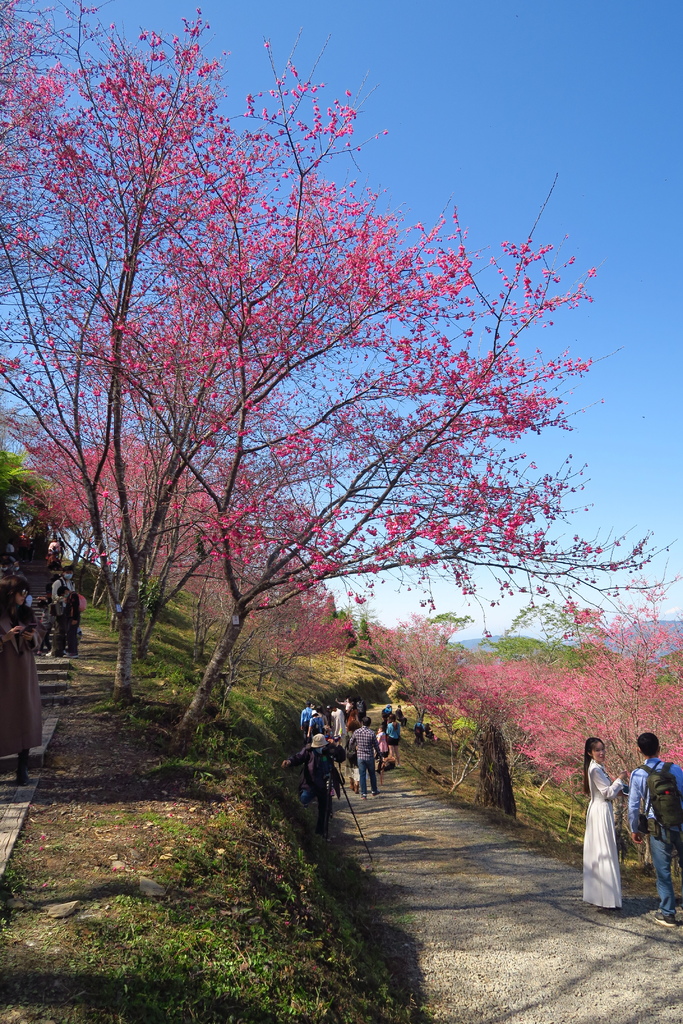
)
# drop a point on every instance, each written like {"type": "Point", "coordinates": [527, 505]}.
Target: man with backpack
{"type": "Point", "coordinates": [316, 724]}
{"type": "Point", "coordinates": [658, 785]}
{"type": "Point", "coordinates": [306, 716]}
{"type": "Point", "coordinates": [319, 776]}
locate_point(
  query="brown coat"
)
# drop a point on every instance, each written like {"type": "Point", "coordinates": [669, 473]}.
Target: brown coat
{"type": "Point", "coordinates": [20, 713]}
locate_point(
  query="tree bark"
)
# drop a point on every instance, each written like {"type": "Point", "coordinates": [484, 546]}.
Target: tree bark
{"type": "Point", "coordinates": [190, 719]}
{"type": "Point", "coordinates": [123, 678]}
{"type": "Point", "coordinates": [495, 784]}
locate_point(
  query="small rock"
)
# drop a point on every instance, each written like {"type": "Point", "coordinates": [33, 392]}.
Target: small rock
{"type": "Point", "coordinates": [60, 910]}
{"type": "Point", "coordinates": [17, 904]}
{"type": "Point", "coordinates": [118, 865]}
{"type": "Point", "coordinates": [150, 888]}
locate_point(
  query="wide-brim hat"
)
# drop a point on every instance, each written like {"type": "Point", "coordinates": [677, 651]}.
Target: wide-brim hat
{"type": "Point", "coordinates": [319, 741]}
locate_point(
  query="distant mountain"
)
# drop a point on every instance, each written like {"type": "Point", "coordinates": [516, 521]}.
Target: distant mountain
{"type": "Point", "coordinates": [674, 627]}
{"type": "Point", "coordinates": [482, 641]}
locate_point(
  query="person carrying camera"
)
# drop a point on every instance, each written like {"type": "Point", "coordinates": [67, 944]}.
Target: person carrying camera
{"type": "Point", "coordinates": [319, 775]}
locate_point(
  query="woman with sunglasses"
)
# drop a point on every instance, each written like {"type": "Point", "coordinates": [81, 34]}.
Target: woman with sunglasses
{"type": "Point", "coordinates": [20, 713]}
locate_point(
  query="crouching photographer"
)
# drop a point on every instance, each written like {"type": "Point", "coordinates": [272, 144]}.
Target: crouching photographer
{"type": "Point", "coordinates": [319, 776]}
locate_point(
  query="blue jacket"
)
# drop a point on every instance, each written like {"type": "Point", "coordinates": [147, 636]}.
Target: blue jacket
{"type": "Point", "coordinates": [638, 790]}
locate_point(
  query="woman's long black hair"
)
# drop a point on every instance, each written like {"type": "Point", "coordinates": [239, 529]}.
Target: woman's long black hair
{"type": "Point", "coordinates": [591, 742]}
{"type": "Point", "coordinates": [19, 614]}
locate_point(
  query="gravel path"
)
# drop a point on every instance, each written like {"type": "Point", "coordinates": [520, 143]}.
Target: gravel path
{"type": "Point", "coordinates": [500, 935]}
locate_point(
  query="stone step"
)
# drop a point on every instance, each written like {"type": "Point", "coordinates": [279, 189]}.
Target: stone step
{"type": "Point", "coordinates": [50, 700]}
{"type": "Point", "coordinates": [58, 676]}
{"type": "Point", "coordinates": [49, 666]}
{"type": "Point", "coordinates": [36, 755]}
{"type": "Point", "coordinates": [55, 686]}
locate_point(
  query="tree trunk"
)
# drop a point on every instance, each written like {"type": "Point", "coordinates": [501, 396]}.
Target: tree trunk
{"type": "Point", "coordinates": [190, 719]}
{"type": "Point", "coordinates": [139, 630]}
{"type": "Point", "coordinates": [495, 784]}
{"type": "Point", "coordinates": [123, 679]}
{"type": "Point", "coordinates": [100, 591]}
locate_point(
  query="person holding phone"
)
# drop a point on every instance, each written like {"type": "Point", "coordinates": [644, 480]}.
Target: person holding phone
{"type": "Point", "coordinates": [601, 875]}
{"type": "Point", "coordinates": [20, 635]}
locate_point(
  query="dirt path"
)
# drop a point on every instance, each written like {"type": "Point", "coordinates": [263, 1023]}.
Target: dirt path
{"type": "Point", "coordinates": [501, 934]}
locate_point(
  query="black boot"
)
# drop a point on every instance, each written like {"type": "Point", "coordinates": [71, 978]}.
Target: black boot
{"type": "Point", "coordinates": [22, 768]}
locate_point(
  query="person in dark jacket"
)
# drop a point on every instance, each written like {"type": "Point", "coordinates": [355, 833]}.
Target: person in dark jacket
{"type": "Point", "coordinates": [319, 775]}
{"type": "Point", "coordinates": [20, 637]}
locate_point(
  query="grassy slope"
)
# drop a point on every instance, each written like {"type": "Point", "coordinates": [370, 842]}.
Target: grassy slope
{"type": "Point", "coordinates": [262, 922]}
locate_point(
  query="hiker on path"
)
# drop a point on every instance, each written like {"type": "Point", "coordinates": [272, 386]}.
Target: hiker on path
{"type": "Point", "coordinates": [62, 586]}
{"type": "Point", "coordinates": [394, 738]}
{"type": "Point", "coordinates": [352, 726]}
{"type": "Point", "coordinates": [382, 740]}
{"type": "Point", "coordinates": [316, 724]}
{"type": "Point", "coordinates": [20, 636]}
{"type": "Point", "coordinates": [306, 716]}
{"type": "Point", "coordinates": [338, 725]}
{"type": "Point", "coordinates": [601, 876]}
{"type": "Point", "coordinates": [659, 785]}
{"type": "Point", "coordinates": [346, 705]}
{"type": "Point", "coordinates": [319, 775]}
{"type": "Point", "coordinates": [366, 748]}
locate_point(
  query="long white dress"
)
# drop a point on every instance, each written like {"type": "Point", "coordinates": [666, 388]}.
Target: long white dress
{"type": "Point", "coordinates": [601, 875]}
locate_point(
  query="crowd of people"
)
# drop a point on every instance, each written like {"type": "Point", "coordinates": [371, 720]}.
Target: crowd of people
{"type": "Point", "coordinates": [343, 732]}
{"type": "Point", "coordinates": [333, 734]}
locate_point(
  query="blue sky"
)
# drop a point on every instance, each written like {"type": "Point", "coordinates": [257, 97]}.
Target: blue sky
{"type": "Point", "coordinates": [484, 104]}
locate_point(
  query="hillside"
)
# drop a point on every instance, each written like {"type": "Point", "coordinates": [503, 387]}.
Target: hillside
{"type": "Point", "coordinates": [256, 919]}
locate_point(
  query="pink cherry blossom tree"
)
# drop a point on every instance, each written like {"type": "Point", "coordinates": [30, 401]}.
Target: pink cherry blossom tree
{"type": "Point", "coordinates": [344, 389]}
{"type": "Point", "coordinates": [419, 654]}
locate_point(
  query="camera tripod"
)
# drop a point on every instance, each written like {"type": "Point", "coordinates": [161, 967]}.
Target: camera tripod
{"type": "Point", "coordinates": [328, 810]}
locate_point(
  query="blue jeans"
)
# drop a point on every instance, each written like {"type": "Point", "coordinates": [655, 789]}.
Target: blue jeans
{"type": "Point", "coordinates": [662, 854]}
{"type": "Point", "coordinates": [363, 767]}
{"type": "Point", "coordinates": [307, 796]}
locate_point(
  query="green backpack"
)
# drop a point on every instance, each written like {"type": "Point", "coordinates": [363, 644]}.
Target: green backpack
{"type": "Point", "coordinates": [664, 795]}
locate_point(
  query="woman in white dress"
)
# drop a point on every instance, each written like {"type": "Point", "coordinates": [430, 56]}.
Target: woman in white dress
{"type": "Point", "coordinates": [601, 876]}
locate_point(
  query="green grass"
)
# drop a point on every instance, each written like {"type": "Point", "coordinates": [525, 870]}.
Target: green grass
{"type": "Point", "coordinates": [262, 922]}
